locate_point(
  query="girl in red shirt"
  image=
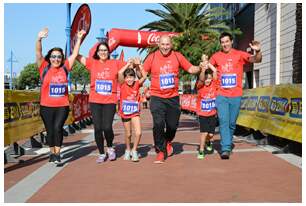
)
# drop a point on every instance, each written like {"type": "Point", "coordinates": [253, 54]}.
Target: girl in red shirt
{"type": "Point", "coordinates": [129, 108]}
{"type": "Point", "coordinates": [206, 110]}
{"type": "Point", "coordinates": [54, 102]}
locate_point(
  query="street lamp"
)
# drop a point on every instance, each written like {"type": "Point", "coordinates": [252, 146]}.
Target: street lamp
{"type": "Point", "coordinates": [102, 37]}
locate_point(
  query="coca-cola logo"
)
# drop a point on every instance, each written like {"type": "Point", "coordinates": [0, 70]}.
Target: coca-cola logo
{"type": "Point", "coordinates": [154, 38]}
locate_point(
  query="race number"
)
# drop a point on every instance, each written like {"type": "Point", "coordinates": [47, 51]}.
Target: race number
{"type": "Point", "coordinates": [229, 80]}
{"type": "Point", "coordinates": [104, 87]}
{"type": "Point", "coordinates": [57, 90]}
{"type": "Point", "coordinates": [207, 105]}
{"type": "Point", "coordinates": [129, 107]}
{"type": "Point", "coordinates": [166, 81]}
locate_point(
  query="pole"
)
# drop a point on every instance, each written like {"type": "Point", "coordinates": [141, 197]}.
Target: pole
{"type": "Point", "coordinates": [11, 79]}
{"type": "Point", "coordinates": [277, 63]}
{"type": "Point", "coordinates": [68, 30]}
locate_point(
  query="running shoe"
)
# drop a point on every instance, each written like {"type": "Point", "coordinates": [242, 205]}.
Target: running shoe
{"type": "Point", "coordinates": [169, 149]}
{"type": "Point", "coordinates": [127, 155]}
{"type": "Point", "coordinates": [52, 157]}
{"type": "Point", "coordinates": [101, 158]}
{"type": "Point", "coordinates": [160, 158]}
{"type": "Point", "coordinates": [57, 158]}
{"type": "Point", "coordinates": [201, 155]}
{"type": "Point", "coordinates": [209, 147]}
{"type": "Point", "coordinates": [135, 157]}
{"type": "Point", "coordinates": [111, 154]}
{"type": "Point", "coordinates": [225, 155]}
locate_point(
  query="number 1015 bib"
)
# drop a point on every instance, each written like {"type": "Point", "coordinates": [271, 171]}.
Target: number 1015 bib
{"type": "Point", "coordinates": [57, 90]}
{"type": "Point", "coordinates": [166, 81]}
{"type": "Point", "coordinates": [229, 80]}
{"type": "Point", "coordinates": [129, 107]}
{"type": "Point", "coordinates": [104, 87]}
{"type": "Point", "coordinates": [208, 105]}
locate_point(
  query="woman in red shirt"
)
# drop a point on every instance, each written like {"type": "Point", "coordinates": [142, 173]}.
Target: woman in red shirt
{"type": "Point", "coordinates": [129, 109]}
{"type": "Point", "coordinates": [54, 102]}
{"type": "Point", "coordinates": [103, 96]}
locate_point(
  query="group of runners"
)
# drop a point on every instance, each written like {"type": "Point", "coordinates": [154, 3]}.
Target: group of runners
{"type": "Point", "coordinates": [219, 93]}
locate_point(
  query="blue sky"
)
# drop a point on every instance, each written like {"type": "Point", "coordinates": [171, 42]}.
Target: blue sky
{"type": "Point", "coordinates": [22, 22]}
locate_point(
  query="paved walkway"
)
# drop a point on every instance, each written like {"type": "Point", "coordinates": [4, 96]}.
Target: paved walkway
{"type": "Point", "coordinates": [253, 174]}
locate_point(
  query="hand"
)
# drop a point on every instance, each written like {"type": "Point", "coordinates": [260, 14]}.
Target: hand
{"type": "Point", "coordinates": [130, 62]}
{"type": "Point", "coordinates": [255, 45]}
{"type": "Point", "coordinates": [203, 66]}
{"type": "Point", "coordinates": [81, 33]}
{"type": "Point", "coordinates": [43, 33]}
{"type": "Point", "coordinates": [204, 58]}
{"type": "Point", "coordinates": [137, 61]}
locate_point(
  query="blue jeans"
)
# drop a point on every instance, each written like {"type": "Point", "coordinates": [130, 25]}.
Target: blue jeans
{"type": "Point", "coordinates": [228, 110]}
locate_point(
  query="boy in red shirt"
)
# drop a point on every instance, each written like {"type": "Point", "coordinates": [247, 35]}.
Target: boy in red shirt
{"type": "Point", "coordinates": [206, 110]}
{"type": "Point", "coordinates": [129, 108]}
{"type": "Point", "coordinates": [229, 63]}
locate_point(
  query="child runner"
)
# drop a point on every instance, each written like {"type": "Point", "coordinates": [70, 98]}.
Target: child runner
{"type": "Point", "coordinates": [129, 108]}
{"type": "Point", "coordinates": [207, 88]}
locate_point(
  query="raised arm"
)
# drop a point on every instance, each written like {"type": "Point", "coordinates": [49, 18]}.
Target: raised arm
{"type": "Point", "coordinates": [76, 48]}
{"type": "Point", "coordinates": [138, 66]}
{"type": "Point", "coordinates": [39, 57]}
{"type": "Point", "coordinates": [143, 75]}
{"type": "Point", "coordinates": [194, 69]}
{"type": "Point", "coordinates": [255, 45]}
{"type": "Point", "coordinates": [121, 71]}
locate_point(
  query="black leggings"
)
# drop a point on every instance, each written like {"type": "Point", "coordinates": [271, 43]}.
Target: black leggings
{"type": "Point", "coordinates": [103, 116]}
{"type": "Point", "coordinates": [54, 119]}
{"type": "Point", "coordinates": [166, 114]}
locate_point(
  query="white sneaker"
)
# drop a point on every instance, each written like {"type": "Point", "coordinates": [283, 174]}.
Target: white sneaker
{"type": "Point", "coordinates": [135, 157]}
{"type": "Point", "coordinates": [127, 155]}
{"type": "Point", "coordinates": [111, 154]}
{"type": "Point", "coordinates": [101, 158]}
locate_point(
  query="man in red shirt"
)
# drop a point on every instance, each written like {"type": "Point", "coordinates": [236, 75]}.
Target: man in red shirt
{"type": "Point", "coordinates": [164, 65]}
{"type": "Point", "coordinates": [229, 63]}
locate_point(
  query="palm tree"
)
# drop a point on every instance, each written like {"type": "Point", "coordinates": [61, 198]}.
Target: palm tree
{"type": "Point", "coordinates": [194, 21]}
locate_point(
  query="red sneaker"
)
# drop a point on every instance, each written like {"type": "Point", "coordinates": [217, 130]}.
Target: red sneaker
{"type": "Point", "coordinates": [160, 158]}
{"type": "Point", "coordinates": [169, 149]}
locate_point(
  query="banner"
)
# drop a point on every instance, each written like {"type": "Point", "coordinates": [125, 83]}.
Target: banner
{"type": "Point", "coordinates": [82, 20]}
{"type": "Point", "coordinates": [275, 110]}
{"type": "Point", "coordinates": [22, 113]}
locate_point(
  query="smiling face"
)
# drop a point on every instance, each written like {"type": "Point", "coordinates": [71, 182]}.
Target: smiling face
{"type": "Point", "coordinates": [226, 44]}
{"type": "Point", "coordinates": [103, 52]}
{"type": "Point", "coordinates": [56, 58]}
{"type": "Point", "coordinates": [165, 45]}
{"type": "Point", "coordinates": [129, 80]}
{"type": "Point", "coordinates": [208, 79]}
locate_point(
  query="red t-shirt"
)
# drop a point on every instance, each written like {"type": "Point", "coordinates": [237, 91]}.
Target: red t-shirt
{"type": "Point", "coordinates": [230, 71]}
{"type": "Point", "coordinates": [164, 73]}
{"type": "Point", "coordinates": [103, 80]}
{"type": "Point", "coordinates": [54, 88]}
{"type": "Point", "coordinates": [206, 105]}
{"type": "Point", "coordinates": [129, 100]}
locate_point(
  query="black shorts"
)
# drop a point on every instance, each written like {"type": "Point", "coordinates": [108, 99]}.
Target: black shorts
{"type": "Point", "coordinates": [127, 119]}
{"type": "Point", "coordinates": [208, 124]}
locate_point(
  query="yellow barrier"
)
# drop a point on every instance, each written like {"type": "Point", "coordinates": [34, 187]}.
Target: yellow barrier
{"type": "Point", "coordinates": [21, 115]}
{"type": "Point", "coordinates": [275, 110]}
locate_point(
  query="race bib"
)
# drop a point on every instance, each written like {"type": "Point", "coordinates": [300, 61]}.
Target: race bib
{"type": "Point", "coordinates": [207, 105]}
{"type": "Point", "coordinates": [129, 107]}
{"type": "Point", "coordinates": [166, 81]}
{"type": "Point", "coordinates": [57, 90]}
{"type": "Point", "coordinates": [229, 80]}
{"type": "Point", "coordinates": [104, 87]}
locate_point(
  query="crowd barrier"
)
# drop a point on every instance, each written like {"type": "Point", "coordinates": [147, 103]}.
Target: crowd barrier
{"type": "Point", "coordinates": [275, 110]}
{"type": "Point", "coordinates": [22, 117]}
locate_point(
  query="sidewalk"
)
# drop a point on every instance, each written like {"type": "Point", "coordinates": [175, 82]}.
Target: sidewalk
{"type": "Point", "coordinates": [252, 174]}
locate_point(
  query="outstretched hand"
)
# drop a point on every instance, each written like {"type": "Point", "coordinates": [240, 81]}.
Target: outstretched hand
{"type": "Point", "coordinates": [81, 33]}
{"type": "Point", "coordinates": [43, 33]}
{"type": "Point", "coordinates": [255, 45]}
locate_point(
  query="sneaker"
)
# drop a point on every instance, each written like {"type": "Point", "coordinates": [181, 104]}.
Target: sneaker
{"type": "Point", "coordinates": [209, 147]}
{"type": "Point", "coordinates": [51, 157]}
{"type": "Point", "coordinates": [169, 149]}
{"type": "Point", "coordinates": [101, 158]}
{"type": "Point", "coordinates": [160, 158]}
{"type": "Point", "coordinates": [57, 158]}
{"type": "Point", "coordinates": [225, 155]}
{"type": "Point", "coordinates": [201, 155]}
{"type": "Point", "coordinates": [127, 155]}
{"type": "Point", "coordinates": [111, 154]}
{"type": "Point", "coordinates": [135, 157]}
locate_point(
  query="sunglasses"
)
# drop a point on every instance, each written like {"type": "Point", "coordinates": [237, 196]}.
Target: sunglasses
{"type": "Point", "coordinates": [56, 56]}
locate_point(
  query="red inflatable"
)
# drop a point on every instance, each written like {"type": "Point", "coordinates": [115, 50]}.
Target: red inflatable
{"type": "Point", "coordinates": [132, 38]}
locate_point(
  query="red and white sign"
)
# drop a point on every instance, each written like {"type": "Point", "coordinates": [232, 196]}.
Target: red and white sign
{"type": "Point", "coordinates": [82, 20]}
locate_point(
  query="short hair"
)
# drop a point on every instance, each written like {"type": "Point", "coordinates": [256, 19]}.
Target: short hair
{"type": "Point", "coordinates": [129, 72]}
{"type": "Point", "coordinates": [207, 72]}
{"type": "Point", "coordinates": [224, 34]}
{"type": "Point", "coordinates": [47, 57]}
{"type": "Point", "coordinates": [95, 56]}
